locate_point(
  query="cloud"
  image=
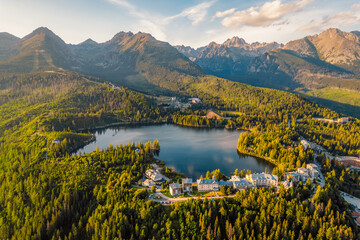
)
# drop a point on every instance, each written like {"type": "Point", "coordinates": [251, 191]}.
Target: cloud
{"type": "Point", "coordinates": [225, 13]}
{"type": "Point", "coordinates": [341, 19]}
{"type": "Point", "coordinates": [125, 4]}
{"type": "Point", "coordinates": [146, 22]}
{"type": "Point", "coordinates": [195, 13]}
{"type": "Point", "coordinates": [211, 31]}
{"type": "Point", "coordinates": [356, 7]}
{"type": "Point", "coordinates": [155, 24]}
{"type": "Point", "coordinates": [265, 15]}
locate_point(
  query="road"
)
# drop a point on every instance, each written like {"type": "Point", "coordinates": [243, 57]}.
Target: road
{"type": "Point", "coordinates": [322, 179]}
{"type": "Point", "coordinates": [351, 199]}
{"type": "Point", "coordinates": [173, 200]}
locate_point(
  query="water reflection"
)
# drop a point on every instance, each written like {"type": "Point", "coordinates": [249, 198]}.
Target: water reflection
{"type": "Point", "coordinates": [188, 150]}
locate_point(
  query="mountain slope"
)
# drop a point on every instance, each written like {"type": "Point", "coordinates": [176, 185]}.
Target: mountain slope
{"type": "Point", "coordinates": [330, 59]}
{"type": "Point", "coordinates": [333, 46]}
{"type": "Point", "coordinates": [137, 61]}
{"type": "Point", "coordinates": [311, 62]}
{"type": "Point", "coordinates": [134, 59]}
{"type": "Point", "coordinates": [140, 62]}
{"type": "Point", "coordinates": [7, 42]}
{"type": "Point", "coordinates": [326, 61]}
{"type": "Point", "coordinates": [40, 50]}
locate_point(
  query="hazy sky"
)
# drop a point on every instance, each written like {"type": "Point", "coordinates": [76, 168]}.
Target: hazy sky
{"type": "Point", "coordinates": [188, 22]}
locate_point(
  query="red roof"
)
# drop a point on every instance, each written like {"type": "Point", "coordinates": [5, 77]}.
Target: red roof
{"type": "Point", "coordinates": [355, 214]}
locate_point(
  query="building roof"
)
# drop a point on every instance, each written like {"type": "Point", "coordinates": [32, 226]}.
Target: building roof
{"type": "Point", "coordinates": [312, 165]}
{"type": "Point", "coordinates": [148, 182]}
{"type": "Point", "coordinates": [314, 170]}
{"type": "Point", "coordinates": [215, 112]}
{"type": "Point", "coordinates": [235, 178]}
{"type": "Point", "coordinates": [263, 176]}
{"type": "Point", "coordinates": [174, 185]}
{"type": "Point", "coordinates": [292, 174]}
{"type": "Point", "coordinates": [242, 182]}
{"type": "Point", "coordinates": [225, 183]}
{"type": "Point", "coordinates": [187, 180]}
{"type": "Point", "coordinates": [154, 175]}
{"type": "Point", "coordinates": [207, 181]}
{"type": "Point", "coordinates": [355, 214]}
{"type": "Point", "coordinates": [286, 184]}
{"type": "Point", "coordinates": [303, 169]}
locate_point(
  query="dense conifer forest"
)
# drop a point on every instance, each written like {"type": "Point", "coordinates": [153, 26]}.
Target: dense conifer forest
{"type": "Point", "coordinates": [47, 193]}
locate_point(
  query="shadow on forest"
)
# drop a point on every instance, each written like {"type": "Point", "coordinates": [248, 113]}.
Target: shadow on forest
{"type": "Point", "coordinates": [347, 109]}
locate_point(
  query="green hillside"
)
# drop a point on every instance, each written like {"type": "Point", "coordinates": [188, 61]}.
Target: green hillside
{"type": "Point", "coordinates": [339, 95]}
{"type": "Point", "coordinates": [47, 193]}
{"type": "Point", "coordinates": [91, 196]}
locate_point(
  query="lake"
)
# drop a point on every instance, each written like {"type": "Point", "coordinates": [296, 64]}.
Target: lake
{"type": "Point", "coordinates": [190, 151]}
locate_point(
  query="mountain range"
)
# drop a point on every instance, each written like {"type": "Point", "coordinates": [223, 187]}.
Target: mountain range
{"type": "Point", "coordinates": [137, 61]}
{"type": "Point", "coordinates": [229, 58]}
{"type": "Point", "coordinates": [325, 62]}
{"type": "Point", "coordinates": [324, 67]}
{"type": "Point", "coordinates": [310, 62]}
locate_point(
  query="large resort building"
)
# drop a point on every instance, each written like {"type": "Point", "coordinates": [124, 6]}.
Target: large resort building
{"type": "Point", "coordinates": [263, 179]}
{"type": "Point", "coordinates": [206, 185]}
{"type": "Point", "coordinates": [250, 181]}
{"type": "Point", "coordinates": [255, 180]}
{"type": "Point", "coordinates": [303, 174]}
{"type": "Point", "coordinates": [242, 184]}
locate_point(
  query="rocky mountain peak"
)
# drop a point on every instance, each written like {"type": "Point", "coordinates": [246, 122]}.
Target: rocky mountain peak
{"type": "Point", "coordinates": [89, 42]}
{"type": "Point", "coordinates": [121, 36]}
{"type": "Point", "coordinates": [235, 42]}
{"type": "Point", "coordinates": [43, 31]}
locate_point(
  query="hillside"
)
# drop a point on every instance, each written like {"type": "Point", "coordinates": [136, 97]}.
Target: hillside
{"type": "Point", "coordinates": [7, 42]}
{"type": "Point", "coordinates": [333, 46]}
{"type": "Point", "coordinates": [51, 194]}
{"type": "Point", "coordinates": [40, 50]}
{"type": "Point", "coordinates": [138, 61]}
{"type": "Point", "coordinates": [329, 60]}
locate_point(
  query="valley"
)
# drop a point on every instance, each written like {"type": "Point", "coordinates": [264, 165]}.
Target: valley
{"type": "Point", "coordinates": [53, 95]}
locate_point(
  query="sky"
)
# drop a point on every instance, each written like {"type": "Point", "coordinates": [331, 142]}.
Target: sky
{"type": "Point", "coordinates": [180, 22]}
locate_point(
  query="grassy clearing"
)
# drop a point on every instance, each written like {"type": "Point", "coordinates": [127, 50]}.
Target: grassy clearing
{"type": "Point", "coordinates": [338, 95]}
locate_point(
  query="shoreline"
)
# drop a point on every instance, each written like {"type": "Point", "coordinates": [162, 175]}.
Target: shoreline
{"type": "Point", "coordinates": [162, 122]}
{"type": "Point", "coordinates": [270, 160]}
{"type": "Point", "coordinates": [123, 123]}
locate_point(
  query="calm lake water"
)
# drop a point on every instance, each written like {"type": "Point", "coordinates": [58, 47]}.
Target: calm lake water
{"type": "Point", "coordinates": [188, 150]}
